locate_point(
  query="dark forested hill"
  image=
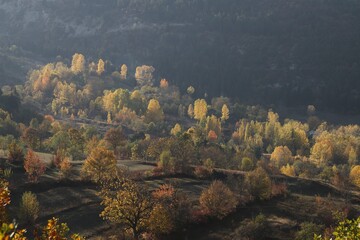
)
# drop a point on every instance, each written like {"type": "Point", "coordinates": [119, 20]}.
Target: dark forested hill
{"type": "Point", "coordinates": [287, 52]}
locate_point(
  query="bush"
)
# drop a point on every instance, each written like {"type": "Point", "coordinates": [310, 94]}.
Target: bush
{"type": "Point", "coordinates": [16, 154]}
{"type": "Point", "coordinates": [307, 230]}
{"type": "Point", "coordinates": [258, 184]}
{"type": "Point", "coordinates": [253, 229]}
{"type": "Point", "coordinates": [247, 164]}
{"type": "Point", "coordinates": [34, 167]}
{"type": "Point", "coordinates": [29, 208]}
{"type": "Point", "coordinates": [218, 200]}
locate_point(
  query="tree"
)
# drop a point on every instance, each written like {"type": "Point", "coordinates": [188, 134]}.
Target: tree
{"type": "Point", "coordinates": [114, 137]}
{"type": "Point", "coordinates": [191, 111]}
{"type": "Point", "coordinates": [258, 184]}
{"type": "Point", "coordinates": [34, 167]}
{"type": "Point", "coordinates": [190, 90]}
{"type": "Point", "coordinates": [166, 162]}
{"type": "Point", "coordinates": [288, 170]}
{"type": "Point", "coordinates": [176, 130]}
{"type": "Point", "coordinates": [218, 200]}
{"type": "Point", "coordinates": [130, 206]}
{"type": "Point", "coordinates": [164, 84]}
{"type": "Point", "coordinates": [100, 164]}
{"type": "Point", "coordinates": [281, 156]}
{"type": "Point", "coordinates": [154, 112]}
{"type": "Point", "coordinates": [355, 175]}
{"type": "Point", "coordinates": [78, 63]}
{"type": "Point", "coordinates": [144, 75]}
{"type": "Point", "coordinates": [29, 208]}
{"type": "Point", "coordinates": [57, 231]}
{"type": "Point", "coordinates": [100, 67]}
{"type": "Point", "coordinates": [247, 164]}
{"type": "Point", "coordinates": [225, 113]}
{"type": "Point", "coordinates": [15, 153]}
{"type": "Point", "coordinates": [345, 229]}
{"type": "Point", "coordinates": [160, 220]}
{"type": "Point", "coordinates": [322, 152]}
{"type": "Point", "coordinates": [32, 137]}
{"type": "Point", "coordinates": [200, 109]}
{"type": "Point", "coordinates": [123, 71]}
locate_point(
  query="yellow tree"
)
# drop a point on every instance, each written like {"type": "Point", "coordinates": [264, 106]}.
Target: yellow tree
{"type": "Point", "coordinates": [218, 200]}
{"type": "Point", "coordinates": [100, 67]}
{"type": "Point", "coordinates": [78, 63]}
{"type": "Point", "coordinates": [100, 164]}
{"type": "Point", "coordinates": [176, 130]}
{"type": "Point", "coordinates": [355, 175]}
{"type": "Point", "coordinates": [225, 113]}
{"type": "Point", "coordinates": [281, 156]}
{"type": "Point", "coordinates": [123, 71]}
{"type": "Point", "coordinates": [131, 206]}
{"type": "Point", "coordinates": [200, 109]}
{"type": "Point", "coordinates": [154, 112]}
{"type": "Point", "coordinates": [322, 152]}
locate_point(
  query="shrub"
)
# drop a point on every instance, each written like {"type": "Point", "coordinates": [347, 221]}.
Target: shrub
{"type": "Point", "coordinates": [288, 170]}
{"type": "Point", "coordinates": [218, 200]}
{"type": "Point", "coordinates": [253, 229]}
{"type": "Point", "coordinates": [29, 208]}
{"type": "Point", "coordinates": [65, 167]}
{"type": "Point", "coordinates": [307, 230]}
{"type": "Point", "coordinates": [258, 184]}
{"type": "Point", "coordinates": [16, 154]}
{"type": "Point", "coordinates": [247, 164]}
{"type": "Point", "coordinates": [34, 167]}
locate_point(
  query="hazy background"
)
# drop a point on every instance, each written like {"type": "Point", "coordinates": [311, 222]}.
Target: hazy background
{"type": "Point", "coordinates": [282, 52]}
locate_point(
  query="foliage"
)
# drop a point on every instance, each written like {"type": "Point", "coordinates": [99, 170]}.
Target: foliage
{"type": "Point", "coordinates": [258, 184]}
{"type": "Point", "coordinates": [34, 167]}
{"type": "Point", "coordinates": [355, 175]}
{"type": "Point", "coordinates": [281, 156]}
{"type": "Point", "coordinates": [346, 229]}
{"type": "Point", "coordinates": [100, 163]}
{"type": "Point", "coordinates": [15, 153]}
{"type": "Point", "coordinates": [54, 230]}
{"type": "Point", "coordinates": [218, 200]}
{"type": "Point", "coordinates": [256, 228]}
{"type": "Point", "coordinates": [29, 208]}
{"type": "Point", "coordinates": [307, 230]}
{"type": "Point", "coordinates": [131, 206]}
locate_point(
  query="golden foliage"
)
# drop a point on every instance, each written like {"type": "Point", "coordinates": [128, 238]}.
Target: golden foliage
{"type": "Point", "coordinates": [225, 113]}
{"type": "Point", "coordinates": [176, 130]}
{"type": "Point", "coordinates": [100, 164]}
{"type": "Point", "coordinates": [288, 170]}
{"type": "Point", "coordinates": [100, 67]}
{"type": "Point", "coordinates": [154, 112]}
{"type": "Point", "coordinates": [78, 63]}
{"type": "Point", "coordinates": [355, 175]}
{"type": "Point", "coordinates": [200, 109]}
{"type": "Point", "coordinates": [123, 71]}
{"type": "Point", "coordinates": [281, 156]}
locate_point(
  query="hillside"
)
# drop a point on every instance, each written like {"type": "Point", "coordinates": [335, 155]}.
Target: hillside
{"type": "Point", "coordinates": [260, 51]}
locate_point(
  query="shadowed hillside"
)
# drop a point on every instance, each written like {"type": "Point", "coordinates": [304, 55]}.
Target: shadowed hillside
{"type": "Point", "coordinates": [263, 51]}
